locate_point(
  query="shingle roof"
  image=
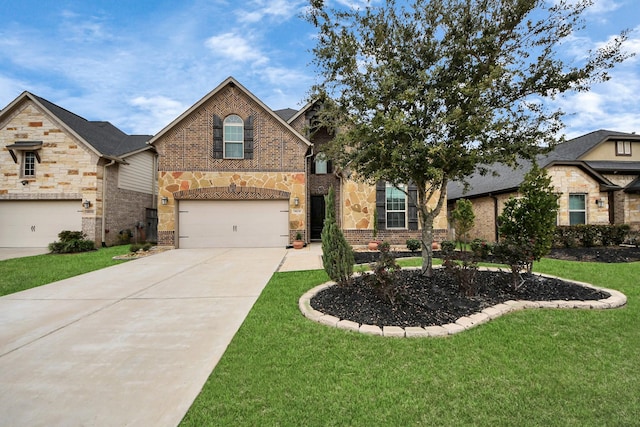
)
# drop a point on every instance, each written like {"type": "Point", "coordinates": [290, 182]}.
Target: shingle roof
{"type": "Point", "coordinates": [286, 113]}
{"type": "Point", "coordinates": [107, 139]}
{"type": "Point", "coordinates": [507, 179]}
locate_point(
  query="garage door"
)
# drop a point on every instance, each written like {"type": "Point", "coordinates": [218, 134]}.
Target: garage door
{"type": "Point", "coordinates": [233, 223]}
{"type": "Point", "coordinates": [36, 223]}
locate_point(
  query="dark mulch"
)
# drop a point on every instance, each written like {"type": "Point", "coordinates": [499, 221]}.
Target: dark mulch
{"type": "Point", "coordinates": [608, 254]}
{"type": "Point", "coordinates": [423, 301]}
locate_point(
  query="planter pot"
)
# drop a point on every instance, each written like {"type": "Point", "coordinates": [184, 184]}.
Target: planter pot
{"type": "Point", "coordinates": [298, 244]}
{"type": "Point", "coordinates": [435, 246]}
{"type": "Point", "coordinates": [373, 245]}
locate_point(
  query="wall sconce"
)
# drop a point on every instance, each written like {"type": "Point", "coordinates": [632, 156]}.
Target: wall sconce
{"type": "Point", "coordinates": [164, 200]}
{"type": "Point", "coordinates": [86, 204]}
{"type": "Point", "coordinates": [24, 182]}
{"type": "Point", "coordinates": [600, 203]}
{"type": "Point", "coordinates": [296, 201]}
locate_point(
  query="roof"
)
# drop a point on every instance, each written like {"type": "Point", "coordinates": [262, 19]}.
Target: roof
{"type": "Point", "coordinates": [286, 113]}
{"type": "Point", "coordinates": [103, 137]}
{"type": "Point", "coordinates": [505, 179]}
{"type": "Point", "coordinates": [229, 81]}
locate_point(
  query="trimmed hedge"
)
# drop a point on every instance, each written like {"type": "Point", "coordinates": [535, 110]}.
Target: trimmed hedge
{"type": "Point", "coordinates": [583, 235]}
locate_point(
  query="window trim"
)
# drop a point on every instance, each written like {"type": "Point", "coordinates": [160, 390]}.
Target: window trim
{"type": "Point", "coordinates": [239, 124]}
{"type": "Point", "coordinates": [402, 188]}
{"type": "Point", "coordinates": [584, 211]}
{"type": "Point", "coordinates": [621, 148]}
{"type": "Point", "coordinates": [32, 163]}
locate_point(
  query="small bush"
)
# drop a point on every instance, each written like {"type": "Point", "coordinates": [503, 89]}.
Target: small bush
{"type": "Point", "coordinates": [462, 265]}
{"type": "Point", "coordinates": [71, 242]}
{"type": "Point", "coordinates": [147, 246]}
{"type": "Point", "coordinates": [481, 248]}
{"type": "Point", "coordinates": [337, 255]}
{"type": "Point", "coordinates": [518, 254]}
{"type": "Point", "coordinates": [384, 274]}
{"type": "Point", "coordinates": [587, 235]}
{"type": "Point", "coordinates": [413, 244]}
{"type": "Point", "coordinates": [135, 247]}
{"type": "Point", "coordinates": [124, 236]}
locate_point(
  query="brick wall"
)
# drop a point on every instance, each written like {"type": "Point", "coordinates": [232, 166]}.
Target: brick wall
{"type": "Point", "coordinates": [395, 237]}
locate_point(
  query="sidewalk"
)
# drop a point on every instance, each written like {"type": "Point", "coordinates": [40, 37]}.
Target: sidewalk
{"type": "Point", "coordinates": [307, 258]}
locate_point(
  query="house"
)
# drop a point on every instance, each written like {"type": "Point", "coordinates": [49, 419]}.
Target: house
{"type": "Point", "coordinates": [59, 171]}
{"type": "Point", "coordinates": [597, 176]}
{"type": "Point", "coordinates": [233, 173]}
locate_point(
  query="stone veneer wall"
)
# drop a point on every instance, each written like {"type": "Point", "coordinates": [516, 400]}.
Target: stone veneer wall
{"type": "Point", "coordinates": [173, 182]}
{"type": "Point", "coordinates": [68, 169]}
{"type": "Point", "coordinates": [627, 205]}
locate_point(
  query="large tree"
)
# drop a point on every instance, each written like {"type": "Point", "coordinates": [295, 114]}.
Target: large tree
{"type": "Point", "coordinates": [426, 91]}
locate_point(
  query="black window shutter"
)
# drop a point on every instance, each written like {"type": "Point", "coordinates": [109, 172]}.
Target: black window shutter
{"type": "Point", "coordinates": [329, 166]}
{"type": "Point", "coordinates": [381, 201]}
{"type": "Point", "coordinates": [411, 206]}
{"type": "Point", "coordinates": [248, 138]}
{"type": "Point", "coordinates": [313, 166]}
{"type": "Point", "coordinates": [217, 138]}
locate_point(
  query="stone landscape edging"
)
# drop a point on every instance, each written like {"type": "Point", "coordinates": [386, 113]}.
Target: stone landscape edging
{"type": "Point", "coordinates": [616, 299]}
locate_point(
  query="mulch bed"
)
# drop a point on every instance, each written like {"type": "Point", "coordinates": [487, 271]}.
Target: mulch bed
{"type": "Point", "coordinates": [431, 301]}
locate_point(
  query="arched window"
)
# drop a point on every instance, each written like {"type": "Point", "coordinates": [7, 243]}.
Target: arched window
{"type": "Point", "coordinates": [233, 135]}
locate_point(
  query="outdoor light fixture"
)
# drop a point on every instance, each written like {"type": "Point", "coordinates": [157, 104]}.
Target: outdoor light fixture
{"type": "Point", "coordinates": [86, 204]}
{"type": "Point", "coordinates": [24, 182]}
{"type": "Point", "coordinates": [164, 200]}
{"type": "Point", "coordinates": [600, 203]}
{"type": "Point", "coordinates": [296, 201]}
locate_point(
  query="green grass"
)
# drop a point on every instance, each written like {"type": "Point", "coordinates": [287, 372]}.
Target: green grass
{"type": "Point", "coordinates": [529, 368]}
{"type": "Point", "coordinates": [18, 274]}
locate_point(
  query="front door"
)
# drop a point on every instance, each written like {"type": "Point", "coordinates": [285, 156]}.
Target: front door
{"type": "Point", "coordinates": [317, 216]}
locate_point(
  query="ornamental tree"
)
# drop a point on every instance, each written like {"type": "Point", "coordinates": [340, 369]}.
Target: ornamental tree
{"type": "Point", "coordinates": [427, 91]}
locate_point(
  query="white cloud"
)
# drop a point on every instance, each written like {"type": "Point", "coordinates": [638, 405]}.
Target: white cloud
{"type": "Point", "coordinates": [236, 48]}
{"type": "Point", "coordinates": [281, 10]}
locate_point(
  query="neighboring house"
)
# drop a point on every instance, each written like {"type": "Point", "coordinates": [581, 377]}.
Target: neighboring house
{"type": "Point", "coordinates": [234, 173]}
{"type": "Point", "coordinates": [59, 171]}
{"type": "Point", "coordinates": [597, 176]}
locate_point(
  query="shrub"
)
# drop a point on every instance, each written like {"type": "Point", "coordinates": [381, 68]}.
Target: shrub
{"type": "Point", "coordinates": [462, 265]}
{"type": "Point", "coordinates": [481, 248]}
{"type": "Point", "coordinates": [124, 236]}
{"type": "Point", "coordinates": [71, 242]}
{"type": "Point", "coordinates": [463, 219]}
{"type": "Point", "coordinates": [135, 247]}
{"type": "Point", "coordinates": [384, 274]}
{"type": "Point", "coordinates": [147, 246]}
{"type": "Point", "coordinates": [590, 235]}
{"type": "Point", "coordinates": [518, 254]}
{"type": "Point", "coordinates": [413, 244]}
{"type": "Point", "coordinates": [337, 255]}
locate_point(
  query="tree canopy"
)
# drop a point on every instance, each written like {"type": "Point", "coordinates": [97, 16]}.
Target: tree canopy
{"type": "Point", "coordinates": [429, 91]}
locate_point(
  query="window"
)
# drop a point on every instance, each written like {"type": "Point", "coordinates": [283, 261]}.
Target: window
{"type": "Point", "coordinates": [396, 206]}
{"type": "Point", "coordinates": [29, 164]}
{"type": "Point", "coordinates": [623, 148]}
{"type": "Point", "coordinates": [321, 164]}
{"type": "Point", "coordinates": [577, 209]}
{"type": "Point", "coordinates": [233, 137]}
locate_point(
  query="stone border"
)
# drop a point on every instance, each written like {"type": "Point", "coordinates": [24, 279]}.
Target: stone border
{"type": "Point", "coordinates": [615, 300]}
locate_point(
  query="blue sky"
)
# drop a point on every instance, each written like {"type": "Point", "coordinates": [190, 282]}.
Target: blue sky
{"type": "Point", "coordinates": [139, 64]}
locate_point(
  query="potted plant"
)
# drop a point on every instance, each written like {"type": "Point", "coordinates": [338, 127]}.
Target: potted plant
{"type": "Point", "coordinates": [373, 244]}
{"type": "Point", "coordinates": [298, 243]}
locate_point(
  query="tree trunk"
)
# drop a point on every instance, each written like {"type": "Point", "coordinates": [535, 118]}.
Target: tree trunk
{"type": "Point", "coordinates": [427, 217]}
{"type": "Point", "coordinates": [427, 244]}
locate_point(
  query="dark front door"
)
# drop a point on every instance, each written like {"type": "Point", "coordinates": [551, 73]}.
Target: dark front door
{"type": "Point", "coordinates": [317, 216]}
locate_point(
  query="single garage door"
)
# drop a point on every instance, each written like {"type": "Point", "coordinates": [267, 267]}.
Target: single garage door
{"type": "Point", "coordinates": [36, 223]}
{"type": "Point", "coordinates": [233, 223]}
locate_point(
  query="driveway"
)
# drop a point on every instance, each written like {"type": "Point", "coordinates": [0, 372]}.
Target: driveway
{"type": "Point", "coordinates": [129, 345]}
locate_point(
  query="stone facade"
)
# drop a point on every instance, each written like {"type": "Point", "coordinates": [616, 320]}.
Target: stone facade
{"type": "Point", "coordinates": [68, 170]}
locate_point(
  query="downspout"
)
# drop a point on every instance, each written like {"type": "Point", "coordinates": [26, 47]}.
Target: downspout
{"type": "Point", "coordinates": [104, 200]}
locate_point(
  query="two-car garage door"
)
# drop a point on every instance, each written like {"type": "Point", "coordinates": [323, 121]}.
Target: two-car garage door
{"type": "Point", "coordinates": [36, 223]}
{"type": "Point", "coordinates": [233, 223]}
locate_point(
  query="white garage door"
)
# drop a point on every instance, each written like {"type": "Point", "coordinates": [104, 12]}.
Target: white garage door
{"type": "Point", "coordinates": [36, 223]}
{"type": "Point", "coordinates": [233, 223]}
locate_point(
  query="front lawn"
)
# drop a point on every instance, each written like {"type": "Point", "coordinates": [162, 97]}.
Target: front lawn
{"type": "Point", "coordinates": [18, 274]}
{"type": "Point", "coordinates": [529, 368]}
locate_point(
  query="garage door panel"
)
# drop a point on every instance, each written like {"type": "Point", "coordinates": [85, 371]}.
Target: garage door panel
{"type": "Point", "coordinates": [246, 223]}
{"type": "Point", "coordinates": [37, 223]}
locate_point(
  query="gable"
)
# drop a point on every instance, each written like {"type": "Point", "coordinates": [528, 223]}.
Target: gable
{"type": "Point", "coordinates": [194, 140]}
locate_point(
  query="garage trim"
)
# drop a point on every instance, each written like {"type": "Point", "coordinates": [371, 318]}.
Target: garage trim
{"type": "Point", "coordinates": [231, 192]}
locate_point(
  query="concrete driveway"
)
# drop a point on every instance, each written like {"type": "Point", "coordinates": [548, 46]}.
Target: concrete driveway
{"type": "Point", "coordinates": [129, 345]}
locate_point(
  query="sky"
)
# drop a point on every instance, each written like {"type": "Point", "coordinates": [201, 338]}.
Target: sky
{"type": "Point", "coordinates": [141, 63]}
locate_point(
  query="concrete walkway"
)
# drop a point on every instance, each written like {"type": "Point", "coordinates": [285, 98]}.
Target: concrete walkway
{"type": "Point", "coordinates": [129, 345]}
{"type": "Point", "coordinates": [307, 258]}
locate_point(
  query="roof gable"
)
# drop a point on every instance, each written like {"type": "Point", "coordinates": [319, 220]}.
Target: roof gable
{"type": "Point", "coordinates": [102, 137]}
{"type": "Point", "coordinates": [230, 81]}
